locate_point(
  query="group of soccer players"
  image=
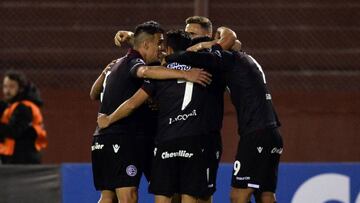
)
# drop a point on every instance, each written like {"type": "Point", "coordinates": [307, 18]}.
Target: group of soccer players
{"type": "Point", "coordinates": [161, 115]}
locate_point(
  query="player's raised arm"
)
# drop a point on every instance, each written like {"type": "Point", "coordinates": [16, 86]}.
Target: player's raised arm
{"type": "Point", "coordinates": [225, 37]}
{"type": "Point", "coordinates": [124, 37]}
{"type": "Point", "coordinates": [124, 110]}
{"type": "Point", "coordinates": [97, 87]}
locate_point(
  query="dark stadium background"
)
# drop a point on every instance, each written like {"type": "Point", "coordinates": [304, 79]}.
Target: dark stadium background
{"type": "Point", "coordinates": [309, 50]}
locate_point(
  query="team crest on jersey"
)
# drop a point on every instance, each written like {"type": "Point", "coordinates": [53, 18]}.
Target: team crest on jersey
{"type": "Point", "coordinates": [140, 61]}
{"type": "Point", "coordinates": [131, 170]}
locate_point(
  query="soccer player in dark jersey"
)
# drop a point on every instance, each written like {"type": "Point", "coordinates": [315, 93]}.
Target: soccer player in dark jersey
{"type": "Point", "coordinates": [260, 146]}
{"type": "Point", "coordinates": [115, 157]}
{"type": "Point", "coordinates": [179, 154]}
{"type": "Point", "coordinates": [258, 154]}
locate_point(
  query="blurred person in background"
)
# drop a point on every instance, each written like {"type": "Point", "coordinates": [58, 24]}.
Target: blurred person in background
{"type": "Point", "coordinates": [22, 133]}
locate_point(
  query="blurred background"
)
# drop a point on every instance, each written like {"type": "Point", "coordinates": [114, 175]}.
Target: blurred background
{"type": "Point", "coordinates": [309, 50]}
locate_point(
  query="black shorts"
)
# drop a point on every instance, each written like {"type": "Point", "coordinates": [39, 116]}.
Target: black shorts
{"type": "Point", "coordinates": [213, 152]}
{"type": "Point", "coordinates": [178, 167]}
{"type": "Point", "coordinates": [257, 160]}
{"type": "Point", "coordinates": [117, 161]}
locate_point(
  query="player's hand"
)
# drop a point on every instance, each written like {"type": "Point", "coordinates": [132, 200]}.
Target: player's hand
{"type": "Point", "coordinates": [236, 46]}
{"type": "Point", "coordinates": [103, 120]}
{"type": "Point", "coordinates": [123, 37]}
{"type": "Point", "coordinates": [200, 46]}
{"type": "Point", "coordinates": [199, 76]}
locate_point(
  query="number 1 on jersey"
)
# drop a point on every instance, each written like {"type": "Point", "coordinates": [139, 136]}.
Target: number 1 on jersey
{"type": "Point", "coordinates": [104, 86]}
{"type": "Point", "coordinates": [188, 93]}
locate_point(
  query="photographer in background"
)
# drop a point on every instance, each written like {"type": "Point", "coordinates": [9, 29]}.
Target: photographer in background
{"type": "Point", "coordinates": [22, 135]}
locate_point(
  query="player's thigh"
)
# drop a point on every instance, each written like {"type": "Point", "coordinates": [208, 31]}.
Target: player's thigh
{"type": "Point", "coordinates": [271, 164]}
{"type": "Point", "coordinates": [162, 199]}
{"type": "Point", "coordinates": [127, 194]}
{"type": "Point", "coordinates": [164, 171]}
{"type": "Point", "coordinates": [107, 196]}
{"type": "Point", "coordinates": [119, 161]}
{"type": "Point", "coordinates": [193, 169]}
{"type": "Point", "coordinates": [188, 199]}
{"type": "Point", "coordinates": [241, 195]}
{"type": "Point", "coordinates": [245, 167]}
{"type": "Point", "coordinates": [145, 149]}
{"type": "Point", "coordinates": [265, 197]}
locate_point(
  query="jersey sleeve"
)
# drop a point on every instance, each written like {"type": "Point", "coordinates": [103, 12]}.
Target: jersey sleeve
{"type": "Point", "coordinates": [134, 65]}
{"type": "Point", "coordinates": [149, 87]}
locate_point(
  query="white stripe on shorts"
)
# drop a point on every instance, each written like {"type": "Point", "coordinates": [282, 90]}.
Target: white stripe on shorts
{"type": "Point", "coordinates": [253, 185]}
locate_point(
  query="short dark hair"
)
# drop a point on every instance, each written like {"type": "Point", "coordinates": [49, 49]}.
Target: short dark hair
{"type": "Point", "coordinates": [17, 76]}
{"type": "Point", "coordinates": [178, 40]}
{"type": "Point", "coordinates": [204, 22]}
{"type": "Point", "coordinates": [149, 27]}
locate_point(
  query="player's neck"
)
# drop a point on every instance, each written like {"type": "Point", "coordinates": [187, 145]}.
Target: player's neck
{"type": "Point", "coordinates": [142, 52]}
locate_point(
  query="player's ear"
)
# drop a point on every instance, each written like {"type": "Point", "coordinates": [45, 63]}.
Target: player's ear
{"type": "Point", "coordinates": [146, 44]}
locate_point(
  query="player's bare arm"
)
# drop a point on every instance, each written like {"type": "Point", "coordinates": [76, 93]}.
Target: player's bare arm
{"type": "Point", "coordinates": [124, 37]}
{"type": "Point", "coordinates": [195, 75]}
{"type": "Point", "coordinates": [225, 37]}
{"type": "Point", "coordinates": [97, 87]}
{"type": "Point", "coordinates": [124, 110]}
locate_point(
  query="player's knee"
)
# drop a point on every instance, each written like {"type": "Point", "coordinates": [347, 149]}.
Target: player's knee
{"type": "Point", "coordinates": [240, 195]}
{"type": "Point", "coordinates": [188, 198]}
{"type": "Point", "coordinates": [266, 197]}
{"type": "Point", "coordinates": [207, 199]}
{"type": "Point", "coordinates": [129, 195]}
{"type": "Point", "coordinates": [107, 197]}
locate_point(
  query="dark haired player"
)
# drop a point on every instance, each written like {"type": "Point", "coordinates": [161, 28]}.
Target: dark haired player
{"type": "Point", "coordinates": [115, 151]}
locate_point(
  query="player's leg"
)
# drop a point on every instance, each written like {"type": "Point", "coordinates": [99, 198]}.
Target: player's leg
{"type": "Point", "coordinates": [265, 197]}
{"type": "Point", "coordinates": [127, 194]}
{"type": "Point", "coordinates": [193, 174]}
{"type": "Point", "coordinates": [205, 200]}
{"type": "Point", "coordinates": [245, 170]}
{"type": "Point", "coordinates": [164, 172]}
{"type": "Point", "coordinates": [214, 152]}
{"type": "Point", "coordinates": [270, 169]}
{"type": "Point", "coordinates": [107, 196]}
{"type": "Point", "coordinates": [188, 199]}
{"type": "Point", "coordinates": [176, 198]}
{"type": "Point", "coordinates": [162, 199]}
{"type": "Point", "coordinates": [100, 161]}
{"type": "Point", "coordinates": [238, 195]}
{"type": "Point", "coordinates": [125, 171]}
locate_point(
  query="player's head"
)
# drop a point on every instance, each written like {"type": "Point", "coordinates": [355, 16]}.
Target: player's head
{"type": "Point", "coordinates": [14, 83]}
{"type": "Point", "coordinates": [148, 39]}
{"type": "Point", "coordinates": [198, 26]}
{"type": "Point", "coordinates": [177, 40]}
